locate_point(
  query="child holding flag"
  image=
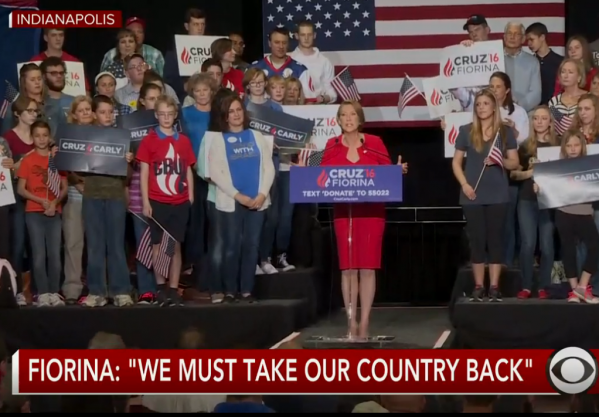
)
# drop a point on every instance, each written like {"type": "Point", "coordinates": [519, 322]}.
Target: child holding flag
{"type": "Point", "coordinates": [44, 188]}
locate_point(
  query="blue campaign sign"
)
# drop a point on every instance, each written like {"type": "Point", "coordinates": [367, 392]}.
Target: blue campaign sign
{"type": "Point", "coordinates": [346, 184]}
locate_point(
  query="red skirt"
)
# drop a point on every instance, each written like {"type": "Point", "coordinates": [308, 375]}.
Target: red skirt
{"type": "Point", "coordinates": [359, 242]}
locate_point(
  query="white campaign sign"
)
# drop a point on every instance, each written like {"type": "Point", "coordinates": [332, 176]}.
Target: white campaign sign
{"type": "Point", "coordinates": [75, 77]}
{"type": "Point", "coordinates": [552, 153]}
{"type": "Point", "coordinates": [439, 101]}
{"type": "Point", "coordinates": [192, 51]}
{"type": "Point", "coordinates": [325, 121]}
{"type": "Point", "coordinates": [470, 66]}
{"type": "Point", "coordinates": [453, 122]}
{"type": "Point", "coordinates": [7, 195]}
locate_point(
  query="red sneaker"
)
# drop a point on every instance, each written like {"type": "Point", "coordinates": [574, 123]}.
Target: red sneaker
{"type": "Point", "coordinates": [543, 295]}
{"type": "Point", "coordinates": [524, 295]}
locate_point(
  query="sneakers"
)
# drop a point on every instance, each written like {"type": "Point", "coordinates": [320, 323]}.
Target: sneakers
{"type": "Point", "coordinates": [268, 268]}
{"type": "Point", "coordinates": [175, 299]}
{"type": "Point", "coordinates": [259, 270]}
{"type": "Point", "coordinates": [147, 299]}
{"type": "Point", "coordinates": [162, 297]}
{"type": "Point", "coordinates": [248, 299]}
{"type": "Point", "coordinates": [495, 295]}
{"type": "Point", "coordinates": [282, 263]}
{"type": "Point", "coordinates": [44, 300]}
{"type": "Point", "coordinates": [21, 300]}
{"type": "Point", "coordinates": [477, 295]}
{"type": "Point", "coordinates": [217, 298]}
{"type": "Point", "coordinates": [56, 300]}
{"type": "Point", "coordinates": [573, 298]}
{"type": "Point", "coordinates": [586, 295]}
{"type": "Point", "coordinates": [123, 300]}
{"type": "Point", "coordinates": [94, 301]}
{"type": "Point", "coordinates": [524, 295]}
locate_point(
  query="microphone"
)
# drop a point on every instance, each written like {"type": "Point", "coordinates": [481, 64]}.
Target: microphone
{"type": "Point", "coordinates": [367, 148]}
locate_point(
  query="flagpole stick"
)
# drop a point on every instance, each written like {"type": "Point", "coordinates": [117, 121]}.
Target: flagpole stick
{"type": "Point", "coordinates": [482, 171]}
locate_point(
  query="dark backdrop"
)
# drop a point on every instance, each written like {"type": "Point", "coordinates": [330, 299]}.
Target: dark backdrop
{"type": "Point", "coordinates": [420, 260]}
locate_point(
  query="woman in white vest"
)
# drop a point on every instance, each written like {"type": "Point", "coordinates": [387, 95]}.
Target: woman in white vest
{"type": "Point", "coordinates": [241, 167]}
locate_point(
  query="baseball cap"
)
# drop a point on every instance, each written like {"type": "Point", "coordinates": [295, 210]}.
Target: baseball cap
{"type": "Point", "coordinates": [135, 19]}
{"type": "Point", "coordinates": [475, 19]}
{"type": "Point", "coordinates": [103, 73]}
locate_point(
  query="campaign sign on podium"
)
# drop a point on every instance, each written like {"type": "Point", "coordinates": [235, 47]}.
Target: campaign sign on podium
{"type": "Point", "coordinates": [346, 184]}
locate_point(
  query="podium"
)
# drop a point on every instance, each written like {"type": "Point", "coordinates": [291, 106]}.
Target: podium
{"type": "Point", "coordinates": [346, 184]}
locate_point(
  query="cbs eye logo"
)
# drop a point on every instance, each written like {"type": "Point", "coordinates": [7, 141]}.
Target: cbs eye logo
{"type": "Point", "coordinates": [572, 370]}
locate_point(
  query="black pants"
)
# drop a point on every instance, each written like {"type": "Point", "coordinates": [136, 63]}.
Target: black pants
{"type": "Point", "coordinates": [484, 225]}
{"type": "Point", "coordinates": [574, 229]}
{"type": "Point", "coordinates": [5, 233]}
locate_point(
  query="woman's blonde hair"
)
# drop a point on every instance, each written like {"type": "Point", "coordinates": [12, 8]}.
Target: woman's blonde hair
{"type": "Point", "coordinates": [302, 99]}
{"type": "Point", "coordinates": [201, 78]}
{"type": "Point", "coordinates": [582, 75]}
{"type": "Point", "coordinates": [71, 118]}
{"type": "Point", "coordinates": [359, 111]}
{"type": "Point", "coordinates": [577, 123]}
{"type": "Point", "coordinates": [532, 140]}
{"type": "Point", "coordinates": [566, 138]}
{"type": "Point", "coordinates": [498, 128]}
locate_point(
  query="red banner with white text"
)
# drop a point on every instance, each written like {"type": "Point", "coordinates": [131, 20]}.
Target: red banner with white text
{"type": "Point", "coordinates": [135, 372]}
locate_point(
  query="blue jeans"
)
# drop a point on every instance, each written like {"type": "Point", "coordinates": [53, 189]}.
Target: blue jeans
{"type": "Point", "coordinates": [146, 282]}
{"type": "Point", "coordinates": [195, 244]}
{"type": "Point", "coordinates": [45, 234]}
{"type": "Point", "coordinates": [216, 245]}
{"type": "Point", "coordinates": [510, 226]}
{"type": "Point", "coordinates": [104, 222]}
{"type": "Point", "coordinates": [269, 226]}
{"type": "Point", "coordinates": [531, 219]}
{"type": "Point", "coordinates": [18, 236]}
{"type": "Point", "coordinates": [581, 253]}
{"type": "Point", "coordinates": [241, 235]}
{"type": "Point", "coordinates": [285, 211]}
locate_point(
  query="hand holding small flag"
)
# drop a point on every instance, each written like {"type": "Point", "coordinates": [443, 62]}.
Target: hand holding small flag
{"type": "Point", "coordinates": [404, 165]}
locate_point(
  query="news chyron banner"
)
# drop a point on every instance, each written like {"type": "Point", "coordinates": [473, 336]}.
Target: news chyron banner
{"type": "Point", "coordinates": [92, 149]}
{"type": "Point", "coordinates": [567, 181]}
{"type": "Point", "coordinates": [270, 372]}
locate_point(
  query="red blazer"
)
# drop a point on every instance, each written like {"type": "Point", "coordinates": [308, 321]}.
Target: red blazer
{"type": "Point", "coordinates": [590, 75]}
{"type": "Point", "coordinates": [372, 152]}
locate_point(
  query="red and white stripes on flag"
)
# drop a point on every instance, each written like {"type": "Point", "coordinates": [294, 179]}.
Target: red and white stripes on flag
{"type": "Point", "coordinates": [53, 177]}
{"type": "Point", "coordinates": [345, 86]}
{"type": "Point", "coordinates": [407, 93]}
{"type": "Point", "coordinates": [165, 253]}
{"type": "Point", "coordinates": [496, 153]}
{"type": "Point", "coordinates": [409, 37]}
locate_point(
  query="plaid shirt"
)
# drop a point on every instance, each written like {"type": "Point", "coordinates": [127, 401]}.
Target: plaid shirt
{"type": "Point", "coordinates": [152, 56]}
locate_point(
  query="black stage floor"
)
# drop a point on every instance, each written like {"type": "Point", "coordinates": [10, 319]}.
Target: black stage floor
{"type": "Point", "coordinates": [287, 303]}
{"type": "Point", "coordinates": [525, 324]}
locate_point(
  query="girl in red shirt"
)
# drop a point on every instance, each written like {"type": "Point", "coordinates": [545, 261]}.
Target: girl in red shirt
{"type": "Point", "coordinates": [24, 110]}
{"type": "Point", "coordinates": [222, 49]}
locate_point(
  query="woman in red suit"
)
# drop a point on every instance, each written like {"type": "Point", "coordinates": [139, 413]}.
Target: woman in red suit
{"type": "Point", "coordinates": [359, 227]}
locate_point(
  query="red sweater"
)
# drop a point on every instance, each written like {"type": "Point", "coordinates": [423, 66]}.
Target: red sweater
{"type": "Point", "coordinates": [590, 75]}
{"type": "Point", "coordinates": [66, 58]}
{"type": "Point", "coordinates": [233, 80]}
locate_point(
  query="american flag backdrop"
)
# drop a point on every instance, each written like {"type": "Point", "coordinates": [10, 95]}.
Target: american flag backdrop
{"type": "Point", "coordinates": [381, 40]}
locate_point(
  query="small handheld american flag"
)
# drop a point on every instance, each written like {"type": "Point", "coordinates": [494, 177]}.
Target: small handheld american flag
{"type": "Point", "coordinates": [345, 86]}
{"type": "Point", "coordinates": [407, 93]}
{"type": "Point", "coordinates": [53, 177]}
{"type": "Point", "coordinates": [496, 153]}
{"type": "Point", "coordinates": [165, 253]}
{"type": "Point", "coordinates": [10, 94]}
{"type": "Point", "coordinates": [562, 121]}
{"type": "Point", "coordinates": [311, 157]}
